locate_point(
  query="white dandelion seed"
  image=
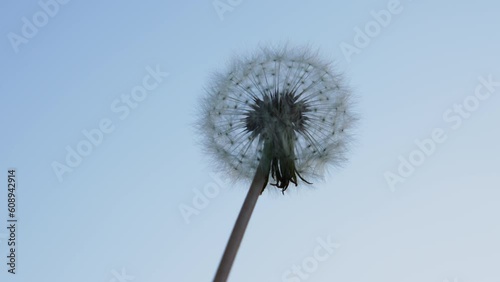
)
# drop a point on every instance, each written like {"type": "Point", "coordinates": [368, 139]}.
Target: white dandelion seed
{"type": "Point", "coordinates": [282, 113]}
{"type": "Point", "coordinates": [282, 108]}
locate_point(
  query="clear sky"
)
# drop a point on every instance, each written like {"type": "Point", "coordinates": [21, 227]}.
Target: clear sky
{"type": "Point", "coordinates": [103, 176]}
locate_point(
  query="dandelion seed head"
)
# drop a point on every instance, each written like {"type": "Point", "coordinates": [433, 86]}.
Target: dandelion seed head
{"type": "Point", "coordinates": [284, 107]}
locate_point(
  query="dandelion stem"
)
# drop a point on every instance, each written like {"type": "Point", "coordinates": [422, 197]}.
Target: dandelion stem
{"type": "Point", "coordinates": [258, 184]}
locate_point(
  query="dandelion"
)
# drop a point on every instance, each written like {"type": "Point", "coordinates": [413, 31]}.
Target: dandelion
{"type": "Point", "coordinates": [282, 113]}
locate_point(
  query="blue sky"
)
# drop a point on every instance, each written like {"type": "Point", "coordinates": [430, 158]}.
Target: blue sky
{"type": "Point", "coordinates": [115, 214]}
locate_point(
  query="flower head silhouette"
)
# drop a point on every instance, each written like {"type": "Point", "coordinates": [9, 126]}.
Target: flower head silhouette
{"type": "Point", "coordinates": [283, 109]}
{"type": "Point", "coordinates": [282, 112]}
